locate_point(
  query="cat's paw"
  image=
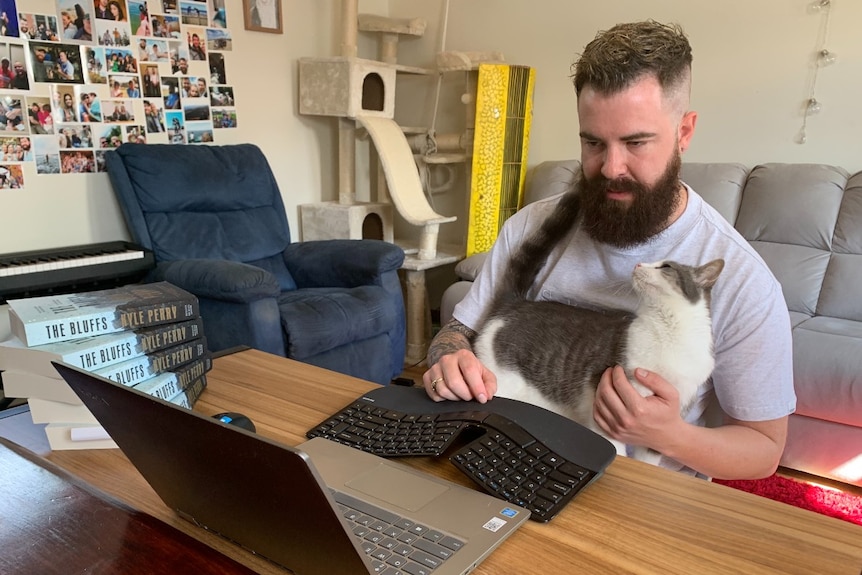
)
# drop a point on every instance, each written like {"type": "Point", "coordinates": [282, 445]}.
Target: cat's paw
{"type": "Point", "coordinates": [646, 455]}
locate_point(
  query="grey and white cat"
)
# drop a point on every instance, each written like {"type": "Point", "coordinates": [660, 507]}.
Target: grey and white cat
{"type": "Point", "coordinates": [552, 354]}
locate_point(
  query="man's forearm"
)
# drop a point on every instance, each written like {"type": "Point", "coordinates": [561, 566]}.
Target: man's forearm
{"type": "Point", "coordinates": [451, 337]}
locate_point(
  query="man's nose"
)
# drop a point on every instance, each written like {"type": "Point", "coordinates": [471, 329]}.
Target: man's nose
{"type": "Point", "coordinates": [614, 163]}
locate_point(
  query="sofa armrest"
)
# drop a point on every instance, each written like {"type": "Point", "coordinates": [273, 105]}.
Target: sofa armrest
{"type": "Point", "coordinates": [469, 267]}
{"type": "Point", "coordinates": [341, 263]}
{"type": "Point", "coordinates": [221, 280]}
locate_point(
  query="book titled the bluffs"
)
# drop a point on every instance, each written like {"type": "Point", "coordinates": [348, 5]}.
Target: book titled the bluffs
{"type": "Point", "coordinates": [98, 351]}
{"type": "Point", "coordinates": [150, 365]}
{"type": "Point", "coordinates": [55, 318]}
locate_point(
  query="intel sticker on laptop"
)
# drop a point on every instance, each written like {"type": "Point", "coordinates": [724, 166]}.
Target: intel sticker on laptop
{"type": "Point", "coordinates": [509, 512]}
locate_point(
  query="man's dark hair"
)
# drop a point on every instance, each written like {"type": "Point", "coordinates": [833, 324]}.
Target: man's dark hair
{"type": "Point", "coordinates": [618, 57]}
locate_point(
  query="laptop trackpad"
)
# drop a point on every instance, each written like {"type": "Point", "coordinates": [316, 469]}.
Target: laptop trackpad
{"type": "Point", "coordinates": [401, 488]}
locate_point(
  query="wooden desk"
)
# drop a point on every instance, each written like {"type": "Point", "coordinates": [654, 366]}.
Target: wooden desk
{"type": "Point", "coordinates": [636, 519]}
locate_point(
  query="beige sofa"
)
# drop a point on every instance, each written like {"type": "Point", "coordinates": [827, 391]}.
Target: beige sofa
{"type": "Point", "coordinates": [805, 220]}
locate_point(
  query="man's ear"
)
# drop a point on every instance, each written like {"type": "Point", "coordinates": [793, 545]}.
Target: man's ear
{"type": "Point", "coordinates": [686, 130]}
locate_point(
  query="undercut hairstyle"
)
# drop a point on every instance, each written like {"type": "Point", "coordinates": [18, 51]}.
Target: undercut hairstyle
{"type": "Point", "coordinates": [618, 57]}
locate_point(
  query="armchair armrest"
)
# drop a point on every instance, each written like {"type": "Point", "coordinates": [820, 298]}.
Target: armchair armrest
{"type": "Point", "coordinates": [341, 263]}
{"type": "Point", "coordinates": [219, 279]}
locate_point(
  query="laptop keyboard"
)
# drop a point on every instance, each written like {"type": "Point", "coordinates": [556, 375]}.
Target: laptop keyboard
{"type": "Point", "coordinates": [505, 459]}
{"type": "Point", "coordinates": [396, 545]}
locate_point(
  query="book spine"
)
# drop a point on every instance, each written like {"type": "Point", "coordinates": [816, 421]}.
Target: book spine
{"type": "Point", "coordinates": [63, 318]}
{"type": "Point", "coordinates": [115, 348]}
{"type": "Point", "coordinates": [45, 332]}
{"type": "Point", "coordinates": [135, 316]}
{"type": "Point", "coordinates": [150, 365]}
{"type": "Point", "coordinates": [188, 397]}
{"type": "Point", "coordinates": [166, 385]}
{"type": "Point", "coordinates": [167, 335]}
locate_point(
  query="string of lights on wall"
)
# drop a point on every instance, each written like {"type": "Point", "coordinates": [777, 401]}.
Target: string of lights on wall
{"type": "Point", "coordinates": [823, 57]}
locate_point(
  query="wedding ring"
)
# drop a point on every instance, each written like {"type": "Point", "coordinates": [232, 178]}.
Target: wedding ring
{"type": "Point", "coordinates": [434, 384]}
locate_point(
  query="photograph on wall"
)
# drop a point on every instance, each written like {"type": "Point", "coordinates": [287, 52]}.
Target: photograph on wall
{"type": "Point", "coordinates": [56, 63]}
{"type": "Point", "coordinates": [89, 106]}
{"type": "Point", "coordinates": [218, 15]}
{"type": "Point", "coordinates": [199, 132]}
{"type": "Point", "coordinates": [77, 161]}
{"type": "Point", "coordinates": [39, 116]}
{"type": "Point", "coordinates": [110, 137]}
{"type": "Point", "coordinates": [112, 32]}
{"type": "Point", "coordinates": [12, 115]}
{"type": "Point", "coordinates": [13, 66]}
{"type": "Point", "coordinates": [193, 13]}
{"type": "Point", "coordinates": [151, 81]}
{"type": "Point", "coordinates": [224, 118]}
{"type": "Point", "coordinates": [139, 18]}
{"type": "Point", "coordinates": [38, 27]}
{"type": "Point", "coordinates": [73, 136]}
{"type": "Point", "coordinates": [121, 60]}
{"type": "Point", "coordinates": [16, 149]}
{"type": "Point", "coordinates": [63, 105]}
{"type": "Point", "coordinates": [153, 50]}
{"type": "Point", "coordinates": [118, 111]}
{"type": "Point", "coordinates": [76, 23]}
{"type": "Point", "coordinates": [96, 67]}
{"type": "Point", "coordinates": [46, 150]}
{"type": "Point", "coordinates": [9, 25]}
{"type": "Point", "coordinates": [176, 127]}
{"type": "Point", "coordinates": [262, 15]}
{"type": "Point", "coordinates": [219, 39]}
{"type": "Point", "coordinates": [196, 41]}
{"type": "Point", "coordinates": [154, 115]}
{"type": "Point", "coordinates": [217, 69]}
{"type": "Point", "coordinates": [221, 96]}
{"type": "Point", "coordinates": [11, 176]}
{"type": "Point", "coordinates": [135, 135]}
{"type": "Point", "coordinates": [171, 93]}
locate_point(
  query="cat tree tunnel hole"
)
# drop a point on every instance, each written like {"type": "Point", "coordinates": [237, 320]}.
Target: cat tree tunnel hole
{"type": "Point", "coordinates": [373, 93]}
{"type": "Point", "coordinates": [372, 227]}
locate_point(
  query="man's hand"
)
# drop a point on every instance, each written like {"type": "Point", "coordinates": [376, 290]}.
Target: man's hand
{"type": "Point", "coordinates": [624, 414]}
{"type": "Point", "coordinates": [456, 373]}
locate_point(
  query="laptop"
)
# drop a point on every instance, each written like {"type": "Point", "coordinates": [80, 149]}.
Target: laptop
{"type": "Point", "coordinates": [319, 508]}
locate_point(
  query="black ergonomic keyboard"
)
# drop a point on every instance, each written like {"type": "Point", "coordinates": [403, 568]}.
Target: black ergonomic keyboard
{"type": "Point", "coordinates": [518, 452]}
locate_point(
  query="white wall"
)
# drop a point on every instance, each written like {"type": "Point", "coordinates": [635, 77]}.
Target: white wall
{"type": "Point", "coordinates": [752, 69]}
{"type": "Point", "coordinates": [752, 63]}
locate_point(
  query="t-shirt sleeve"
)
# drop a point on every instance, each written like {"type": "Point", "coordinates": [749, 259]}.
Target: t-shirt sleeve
{"type": "Point", "coordinates": [753, 375]}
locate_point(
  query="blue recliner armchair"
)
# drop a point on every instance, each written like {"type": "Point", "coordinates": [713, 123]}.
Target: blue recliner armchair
{"type": "Point", "coordinates": [215, 220]}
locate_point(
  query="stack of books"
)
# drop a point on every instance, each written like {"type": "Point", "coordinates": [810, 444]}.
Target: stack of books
{"type": "Point", "coordinates": [147, 336]}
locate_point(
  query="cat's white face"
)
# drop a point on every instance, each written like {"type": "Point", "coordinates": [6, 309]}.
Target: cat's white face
{"type": "Point", "coordinates": [652, 280]}
{"type": "Point", "coordinates": [668, 279]}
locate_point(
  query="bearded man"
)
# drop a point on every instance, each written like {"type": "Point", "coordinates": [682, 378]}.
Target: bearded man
{"type": "Point", "coordinates": [632, 84]}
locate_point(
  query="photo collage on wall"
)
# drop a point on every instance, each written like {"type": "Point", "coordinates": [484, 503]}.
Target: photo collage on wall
{"type": "Point", "coordinates": [99, 73]}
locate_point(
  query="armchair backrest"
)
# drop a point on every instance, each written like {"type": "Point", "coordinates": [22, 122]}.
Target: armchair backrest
{"type": "Point", "coordinates": [202, 202]}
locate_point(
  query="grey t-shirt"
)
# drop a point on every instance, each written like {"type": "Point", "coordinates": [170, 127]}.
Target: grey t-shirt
{"type": "Point", "coordinates": [753, 375]}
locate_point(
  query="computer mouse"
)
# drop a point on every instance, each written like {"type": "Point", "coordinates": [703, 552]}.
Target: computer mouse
{"type": "Point", "coordinates": [237, 419]}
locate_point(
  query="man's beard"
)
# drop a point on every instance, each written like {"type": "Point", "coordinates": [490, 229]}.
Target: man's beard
{"type": "Point", "coordinates": [626, 225]}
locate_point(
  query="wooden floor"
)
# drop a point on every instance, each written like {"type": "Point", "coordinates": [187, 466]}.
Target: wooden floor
{"type": "Point", "coordinates": [415, 372]}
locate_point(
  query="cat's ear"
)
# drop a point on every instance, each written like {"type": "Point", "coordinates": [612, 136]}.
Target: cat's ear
{"type": "Point", "coordinates": [707, 274]}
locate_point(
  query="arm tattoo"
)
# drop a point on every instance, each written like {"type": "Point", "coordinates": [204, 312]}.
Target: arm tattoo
{"type": "Point", "coordinates": [451, 337]}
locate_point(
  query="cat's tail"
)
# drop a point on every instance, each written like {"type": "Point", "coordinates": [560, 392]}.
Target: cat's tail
{"type": "Point", "coordinates": [529, 258]}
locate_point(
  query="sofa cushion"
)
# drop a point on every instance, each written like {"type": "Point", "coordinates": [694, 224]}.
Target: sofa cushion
{"type": "Point", "coordinates": [719, 184]}
{"type": "Point", "coordinates": [827, 363]}
{"type": "Point", "coordinates": [321, 319]}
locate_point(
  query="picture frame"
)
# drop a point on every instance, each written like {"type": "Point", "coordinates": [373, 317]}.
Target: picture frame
{"type": "Point", "coordinates": [263, 15]}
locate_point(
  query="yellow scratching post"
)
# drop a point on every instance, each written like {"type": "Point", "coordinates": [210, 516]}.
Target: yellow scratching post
{"type": "Point", "coordinates": [504, 109]}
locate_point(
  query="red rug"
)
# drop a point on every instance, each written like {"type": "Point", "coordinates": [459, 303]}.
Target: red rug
{"type": "Point", "coordinates": [823, 500]}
